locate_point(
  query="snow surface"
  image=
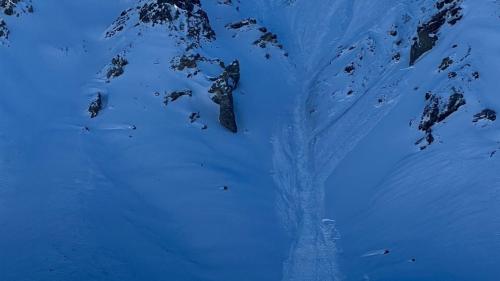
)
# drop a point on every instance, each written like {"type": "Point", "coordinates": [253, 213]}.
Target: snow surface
{"type": "Point", "coordinates": [322, 185]}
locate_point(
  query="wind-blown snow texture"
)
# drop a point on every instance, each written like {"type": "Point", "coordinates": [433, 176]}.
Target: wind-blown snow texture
{"type": "Point", "coordinates": [348, 164]}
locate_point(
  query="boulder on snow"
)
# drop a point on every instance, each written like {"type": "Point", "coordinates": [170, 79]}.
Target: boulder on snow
{"type": "Point", "coordinates": [117, 67]}
{"type": "Point", "coordinates": [95, 106]}
{"type": "Point", "coordinates": [485, 114]}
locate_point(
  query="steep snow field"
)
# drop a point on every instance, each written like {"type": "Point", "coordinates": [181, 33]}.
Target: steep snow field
{"type": "Point", "coordinates": [327, 178]}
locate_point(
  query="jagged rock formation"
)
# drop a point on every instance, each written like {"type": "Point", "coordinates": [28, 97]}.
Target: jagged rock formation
{"type": "Point", "coordinates": [449, 11]}
{"type": "Point", "coordinates": [223, 88]}
{"type": "Point", "coordinates": [437, 110]}
{"type": "Point", "coordinates": [185, 16]}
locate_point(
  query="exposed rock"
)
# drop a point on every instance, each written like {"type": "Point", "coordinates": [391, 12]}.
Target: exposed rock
{"type": "Point", "coordinates": [437, 111]}
{"type": "Point", "coordinates": [14, 7]}
{"type": "Point", "coordinates": [118, 64]}
{"type": "Point", "coordinates": [350, 69]}
{"type": "Point", "coordinates": [191, 62]}
{"type": "Point", "coordinates": [449, 11]}
{"type": "Point", "coordinates": [173, 96]}
{"type": "Point", "coordinates": [486, 114]}
{"type": "Point", "coordinates": [396, 57]}
{"type": "Point", "coordinates": [95, 106]}
{"type": "Point", "coordinates": [194, 116]}
{"type": "Point", "coordinates": [445, 63]}
{"type": "Point", "coordinates": [179, 15]}
{"type": "Point", "coordinates": [242, 23]}
{"type": "Point", "coordinates": [4, 31]}
{"type": "Point", "coordinates": [266, 38]}
{"type": "Point", "coordinates": [223, 88]}
{"type": "Point", "coordinates": [186, 61]}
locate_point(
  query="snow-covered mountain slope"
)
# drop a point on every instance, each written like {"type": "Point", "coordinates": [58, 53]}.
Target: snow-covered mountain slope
{"type": "Point", "coordinates": [249, 140]}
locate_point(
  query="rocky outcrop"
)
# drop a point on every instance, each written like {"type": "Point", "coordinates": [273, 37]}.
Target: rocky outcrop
{"type": "Point", "coordinates": [449, 11]}
{"type": "Point", "coordinates": [184, 16]}
{"type": "Point", "coordinates": [445, 63]}
{"type": "Point", "coordinates": [95, 106]}
{"type": "Point", "coordinates": [175, 95]}
{"type": "Point", "coordinates": [222, 90]}
{"type": "Point", "coordinates": [267, 38]}
{"type": "Point", "coordinates": [242, 23]}
{"type": "Point", "coordinates": [4, 31]}
{"type": "Point", "coordinates": [14, 7]}
{"type": "Point", "coordinates": [437, 110]}
{"type": "Point", "coordinates": [485, 114]}
{"type": "Point", "coordinates": [117, 67]}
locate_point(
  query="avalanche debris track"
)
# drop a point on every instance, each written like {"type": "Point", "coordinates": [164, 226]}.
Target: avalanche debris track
{"type": "Point", "coordinates": [325, 127]}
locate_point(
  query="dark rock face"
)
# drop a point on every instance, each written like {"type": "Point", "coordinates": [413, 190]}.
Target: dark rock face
{"type": "Point", "coordinates": [449, 11]}
{"type": "Point", "coordinates": [486, 114]}
{"type": "Point", "coordinates": [178, 15]}
{"type": "Point", "coordinates": [118, 64]}
{"type": "Point", "coordinates": [437, 111]}
{"type": "Point", "coordinates": [95, 106]}
{"type": "Point", "coordinates": [223, 88]}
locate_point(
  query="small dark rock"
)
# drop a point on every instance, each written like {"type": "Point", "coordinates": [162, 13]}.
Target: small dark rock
{"type": "Point", "coordinates": [350, 69]}
{"type": "Point", "coordinates": [95, 106]}
{"type": "Point", "coordinates": [194, 116]}
{"type": "Point", "coordinates": [445, 63]}
{"type": "Point", "coordinates": [485, 114]}
{"type": "Point", "coordinates": [175, 95]}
